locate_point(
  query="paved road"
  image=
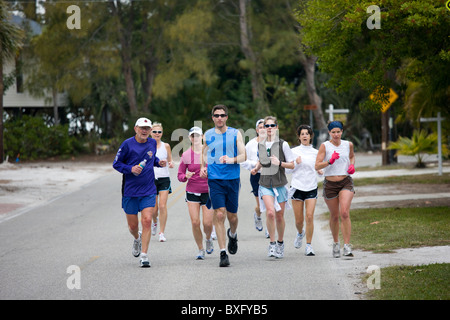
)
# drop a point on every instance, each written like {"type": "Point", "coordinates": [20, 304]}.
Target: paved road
{"type": "Point", "coordinates": [88, 229]}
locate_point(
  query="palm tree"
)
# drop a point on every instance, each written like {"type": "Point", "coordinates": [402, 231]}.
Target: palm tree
{"type": "Point", "coordinates": [417, 146]}
{"type": "Point", "coordinates": [10, 42]}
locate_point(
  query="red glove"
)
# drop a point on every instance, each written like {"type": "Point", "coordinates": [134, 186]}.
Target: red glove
{"type": "Point", "coordinates": [351, 169]}
{"type": "Point", "coordinates": [334, 157]}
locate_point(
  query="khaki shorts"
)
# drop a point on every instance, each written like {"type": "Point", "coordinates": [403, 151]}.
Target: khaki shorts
{"type": "Point", "coordinates": [331, 189]}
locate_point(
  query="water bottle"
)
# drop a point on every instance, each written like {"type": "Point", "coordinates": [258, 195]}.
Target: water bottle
{"type": "Point", "coordinates": [142, 165]}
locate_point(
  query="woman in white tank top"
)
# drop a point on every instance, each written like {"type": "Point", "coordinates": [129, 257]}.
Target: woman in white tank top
{"type": "Point", "coordinates": [337, 159]}
{"type": "Point", "coordinates": [162, 181]}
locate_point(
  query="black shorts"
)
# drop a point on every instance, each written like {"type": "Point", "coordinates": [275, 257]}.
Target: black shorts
{"type": "Point", "coordinates": [163, 184]}
{"type": "Point", "coordinates": [304, 195]}
{"type": "Point", "coordinates": [201, 198]}
{"type": "Point", "coordinates": [254, 181]}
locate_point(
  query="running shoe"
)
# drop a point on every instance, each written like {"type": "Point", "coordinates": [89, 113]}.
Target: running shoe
{"type": "Point", "coordinates": [200, 255]}
{"type": "Point", "coordinates": [348, 250]}
{"type": "Point", "coordinates": [336, 250]}
{"type": "Point", "coordinates": [279, 252]}
{"type": "Point", "coordinates": [272, 250]}
{"type": "Point", "coordinates": [267, 234]}
{"type": "Point", "coordinates": [232, 243]}
{"type": "Point", "coordinates": [309, 250]}
{"type": "Point", "coordinates": [154, 227]}
{"type": "Point", "coordinates": [161, 237]}
{"type": "Point", "coordinates": [213, 234]}
{"type": "Point", "coordinates": [298, 239]}
{"type": "Point", "coordinates": [258, 222]}
{"type": "Point", "coordinates": [137, 246]}
{"type": "Point", "coordinates": [144, 262]}
{"type": "Point", "coordinates": [209, 246]}
{"type": "Point", "coordinates": [224, 262]}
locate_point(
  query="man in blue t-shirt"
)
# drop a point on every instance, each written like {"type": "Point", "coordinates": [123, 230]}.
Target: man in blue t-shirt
{"type": "Point", "coordinates": [223, 150]}
{"type": "Point", "coordinates": [138, 184]}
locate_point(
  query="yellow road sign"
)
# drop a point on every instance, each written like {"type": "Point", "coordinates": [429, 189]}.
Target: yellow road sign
{"type": "Point", "coordinates": [390, 97]}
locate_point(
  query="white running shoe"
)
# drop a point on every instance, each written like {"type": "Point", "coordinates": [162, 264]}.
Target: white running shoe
{"type": "Point", "coordinates": [272, 250]}
{"type": "Point", "coordinates": [209, 246]}
{"type": "Point", "coordinates": [309, 250]}
{"type": "Point", "coordinates": [267, 234]}
{"type": "Point", "coordinates": [298, 239]}
{"type": "Point", "coordinates": [200, 255]}
{"type": "Point", "coordinates": [154, 227]}
{"type": "Point", "coordinates": [213, 234]}
{"type": "Point", "coordinates": [279, 253]}
{"type": "Point", "coordinates": [161, 237]}
{"type": "Point", "coordinates": [336, 250]}
{"type": "Point", "coordinates": [258, 222]}
{"type": "Point", "coordinates": [144, 262]}
{"type": "Point", "coordinates": [137, 246]}
{"type": "Point", "coordinates": [348, 250]}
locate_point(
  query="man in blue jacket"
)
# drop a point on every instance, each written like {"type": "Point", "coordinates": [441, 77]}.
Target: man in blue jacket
{"type": "Point", "coordinates": [138, 185]}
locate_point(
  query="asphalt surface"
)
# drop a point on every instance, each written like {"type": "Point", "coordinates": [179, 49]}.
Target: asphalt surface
{"type": "Point", "coordinates": [86, 231]}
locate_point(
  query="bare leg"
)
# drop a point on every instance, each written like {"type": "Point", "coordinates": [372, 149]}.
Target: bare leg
{"type": "Point", "coordinates": [194, 212]}
{"type": "Point", "coordinates": [146, 221]}
{"type": "Point", "coordinates": [310, 205]}
{"type": "Point", "coordinates": [333, 207]}
{"type": "Point", "coordinates": [163, 195]}
{"type": "Point", "coordinates": [345, 200]}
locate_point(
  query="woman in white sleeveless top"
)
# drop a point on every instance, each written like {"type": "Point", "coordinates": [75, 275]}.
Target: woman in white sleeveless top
{"type": "Point", "coordinates": [337, 159]}
{"type": "Point", "coordinates": [162, 181]}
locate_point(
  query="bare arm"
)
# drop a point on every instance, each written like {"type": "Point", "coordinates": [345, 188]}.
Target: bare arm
{"type": "Point", "coordinates": [204, 157]}
{"type": "Point", "coordinates": [320, 163]}
{"type": "Point", "coordinates": [351, 154]}
{"type": "Point", "coordinates": [169, 155]}
{"type": "Point", "coordinates": [241, 156]}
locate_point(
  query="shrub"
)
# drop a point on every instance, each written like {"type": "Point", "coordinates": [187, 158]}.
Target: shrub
{"type": "Point", "coordinates": [33, 139]}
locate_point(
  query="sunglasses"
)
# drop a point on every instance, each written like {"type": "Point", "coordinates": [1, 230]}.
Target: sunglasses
{"type": "Point", "coordinates": [273, 125]}
{"type": "Point", "coordinates": [156, 131]}
{"type": "Point", "coordinates": [220, 115]}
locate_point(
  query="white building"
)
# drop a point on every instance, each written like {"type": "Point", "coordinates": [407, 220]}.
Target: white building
{"type": "Point", "coordinates": [16, 96]}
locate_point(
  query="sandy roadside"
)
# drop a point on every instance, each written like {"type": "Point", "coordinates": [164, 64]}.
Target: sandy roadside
{"type": "Point", "coordinates": [24, 185]}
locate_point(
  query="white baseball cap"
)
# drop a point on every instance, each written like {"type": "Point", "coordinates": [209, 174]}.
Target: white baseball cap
{"type": "Point", "coordinates": [143, 122]}
{"type": "Point", "coordinates": [197, 130]}
{"type": "Point", "coordinates": [258, 122]}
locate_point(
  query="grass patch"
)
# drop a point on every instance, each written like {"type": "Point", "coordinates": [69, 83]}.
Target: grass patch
{"type": "Point", "coordinates": [421, 179]}
{"type": "Point", "coordinates": [387, 229]}
{"type": "Point", "coordinates": [428, 282]}
{"type": "Point", "coordinates": [408, 179]}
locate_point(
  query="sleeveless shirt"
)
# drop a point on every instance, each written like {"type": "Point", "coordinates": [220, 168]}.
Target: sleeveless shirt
{"type": "Point", "coordinates": [220, 144]}
{"type": "Point", "coordinates": [340, 166]}
{"type": "Point", "coordinates": [161, 153]}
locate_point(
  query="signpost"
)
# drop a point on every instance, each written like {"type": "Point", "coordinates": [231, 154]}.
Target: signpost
{"type": "Point", "coordinates": [386, 123]}
{"type": "Point", "coordinates": [438, 119]}
{"type": "Point", "coordinates": [331, 110]}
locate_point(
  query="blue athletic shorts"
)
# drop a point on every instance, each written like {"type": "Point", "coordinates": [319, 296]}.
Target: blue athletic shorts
{"type": "Point", "coordinates": [132, 205]}
{"type": "Point", "coordinates": [224, 194]}
{"type": "Point", "coordinates": [282, 193]}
